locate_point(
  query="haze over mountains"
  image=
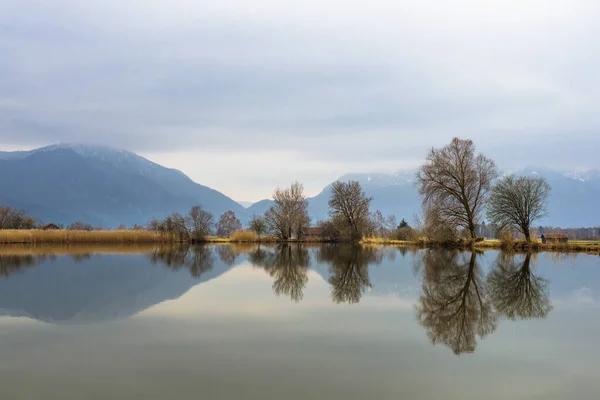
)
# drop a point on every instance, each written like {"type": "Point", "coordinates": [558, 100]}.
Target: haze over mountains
{"type": "Point", "coordinates": [108, 187]}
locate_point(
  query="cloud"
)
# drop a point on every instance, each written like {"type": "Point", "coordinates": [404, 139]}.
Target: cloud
{"type": "Point", "coordinates": [353, 83]}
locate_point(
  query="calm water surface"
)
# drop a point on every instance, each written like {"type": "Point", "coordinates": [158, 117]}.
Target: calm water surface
{"type": "Point", "coordinates": [293, 322]}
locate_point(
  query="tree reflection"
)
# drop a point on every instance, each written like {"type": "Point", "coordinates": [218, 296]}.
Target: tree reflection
{"type": "Point", "coordinates": [454, 307]}
{"type": "Point", "coordinates": [517, 293]}
{"type": "Point", "coordinates": [226, 254]}
{"type": "Point", "coordinates": [10, 264]}
{"type": "Point", "coordinates": [349, 270]}
{"type": "Point", "coordinates": [197, 259]}
{"type": "Point", "coordinates": [287, 265]}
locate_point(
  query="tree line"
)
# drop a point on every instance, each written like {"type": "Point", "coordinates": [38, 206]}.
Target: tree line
{"type": "Point", "coordinates": [458, 187]}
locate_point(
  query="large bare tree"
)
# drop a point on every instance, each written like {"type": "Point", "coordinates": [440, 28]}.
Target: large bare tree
{"type": "Point", "coordinates": [289, 215]}
{"type": "Point", "coordinates": [455, 182]}
{"type": "Point", "coordinates": [258, 225]}
{"type": "Point", "coordinates": [516, 202]}
{"type": "Point", "coordinates": [349, 204]}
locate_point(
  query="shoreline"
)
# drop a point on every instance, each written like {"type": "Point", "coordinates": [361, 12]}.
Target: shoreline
{"type": "Point", "coordinates": [148, 238]}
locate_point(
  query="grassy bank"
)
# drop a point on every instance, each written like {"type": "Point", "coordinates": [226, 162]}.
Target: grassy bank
{"type": "Point", "coordinates": [580, 246]}
{"type": "Point", "coordinates": [142, 237]}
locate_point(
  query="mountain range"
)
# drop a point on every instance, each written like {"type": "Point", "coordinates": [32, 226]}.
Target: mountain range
{"type": "Point", "coordinates": [64, 183]}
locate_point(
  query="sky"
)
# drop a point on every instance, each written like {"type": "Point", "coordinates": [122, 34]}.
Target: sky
{"type": "Point", "coordinates": [244, 96]}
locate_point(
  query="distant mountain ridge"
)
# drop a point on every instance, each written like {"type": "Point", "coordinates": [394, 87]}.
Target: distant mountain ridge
{"type": "Point", "coordinates": [63, 183]}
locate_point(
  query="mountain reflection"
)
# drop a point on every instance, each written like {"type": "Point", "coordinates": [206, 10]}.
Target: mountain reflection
{"type": "Point", "coordinates": [454, 307]}
{"type": "Point", "coordinates": [288, 265]}
{"type": "Point", "coordinates": [197, 259]}
{"type": "Point", "coordinates": [349, 267]}
{"type": "Point", "coordinates": [516, 292]}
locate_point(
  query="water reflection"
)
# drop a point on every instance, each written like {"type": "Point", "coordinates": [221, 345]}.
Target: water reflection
{"type": "Point", "coordinates": [516, 292]}
{"type": "Point", "coordinates": [288, 265]}
{"type": "Point", "coordinates": [230, 319]}
{"type": "Point", "coordinates": [454, 307]}
{"type": "Point", "coordinates": [349, 268]}
{"type": "Point", "coordinates": [12, 263]}
{"type": "Point", "coordinates": [197, 259]}
{"type": "Point", "coordinates": [457, 304]}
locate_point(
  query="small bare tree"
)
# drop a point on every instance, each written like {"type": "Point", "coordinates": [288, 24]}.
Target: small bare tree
{"type": "Point", "coordinates": [228, 223]}
{"type": "Point", "coordinates": [348, 203]}
{"type": "Point", "coordinates": [516, 202]}
{"type": "Point", "coordinates": [455, 183]}
{"type": "Point", "coordinates": [258, 225]}
{"type": "Point", "coordinates": [80, 226]}
{"type": "Point", "coordinates": [199, 223]}
{"type": "Point", "coordinates": [289, 215]}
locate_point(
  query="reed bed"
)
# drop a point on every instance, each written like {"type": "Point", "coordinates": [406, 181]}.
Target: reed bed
{"type": "Point", "coordinates": [73, 236]}
{"type": "Point", "coordinates": [383, 241]}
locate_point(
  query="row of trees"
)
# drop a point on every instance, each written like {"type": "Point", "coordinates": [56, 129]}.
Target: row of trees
{"type": "Point", "coordinates": [458, 185]}
{"type": "Point", "coordinates": [11, 218]}
{"type": "Point", "coordinates": [14, 218]}
{"type": "Point", "coordinates": [197, 225]}
{"type": "Point", "coordinates": [350, 218]}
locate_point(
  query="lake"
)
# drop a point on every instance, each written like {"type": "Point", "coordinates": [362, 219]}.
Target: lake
{"type": "Point", "coordinates": [295, 322]}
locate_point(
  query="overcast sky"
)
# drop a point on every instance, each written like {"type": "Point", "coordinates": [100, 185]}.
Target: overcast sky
{"type": "Point", "coordinates": [245, 95]}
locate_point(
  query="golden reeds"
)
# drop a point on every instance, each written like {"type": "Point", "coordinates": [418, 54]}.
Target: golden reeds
{"type": "Point", "coordinates": [72, 236]}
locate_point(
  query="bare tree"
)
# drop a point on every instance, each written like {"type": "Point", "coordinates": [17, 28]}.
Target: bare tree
{"type": "Point", "coordinates": [199, 223]}
{"type": "Point", "coordinates": [179, 226]}
{"type": "Point", "coordinates": [12, 218]}
{"type": "Point", "coordinates": [258, 225]}
{"type": "Point", "coordinates": [349, 204]}
{"type": "Point", "coordinates": [329, 230]}
{"type": "Point", "coordinates": [516, 202]}
{"type": "Point", "coordinates": [289, 215]}
{"type": "Point", "coordinates": [228, 223]}
{"type": "Point", "coordinates": [435, 227]}
{"type": "Point", "coordinates": [456, 183]}
{"type": "Point", "coordinates": [80, 226]}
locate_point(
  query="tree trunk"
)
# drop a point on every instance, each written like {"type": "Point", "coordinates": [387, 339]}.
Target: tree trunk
{"type": "Point", "coordinates": [472, 231]}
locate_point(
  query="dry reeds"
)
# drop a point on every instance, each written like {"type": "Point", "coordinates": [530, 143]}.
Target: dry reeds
{"type": "Point", "coordinates": [72, 236]}
{"type": "Point", "coordinates": [243, 236]}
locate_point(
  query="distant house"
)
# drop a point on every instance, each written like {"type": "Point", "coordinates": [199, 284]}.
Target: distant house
{"type": "Point", "coordinates": [555, 238]}
{"type": "Point", "coordinates": [313, 232]}
{"type": "Point", "coordinates": [49, 227]}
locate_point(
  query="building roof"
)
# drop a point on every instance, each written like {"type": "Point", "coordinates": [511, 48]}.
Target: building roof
{"type": "Point", "coordinates": [313, 231]}
{"type": "Point", "coordinates": [555, 236]}
{"type": "Point", "coordinates": [49, 226]}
